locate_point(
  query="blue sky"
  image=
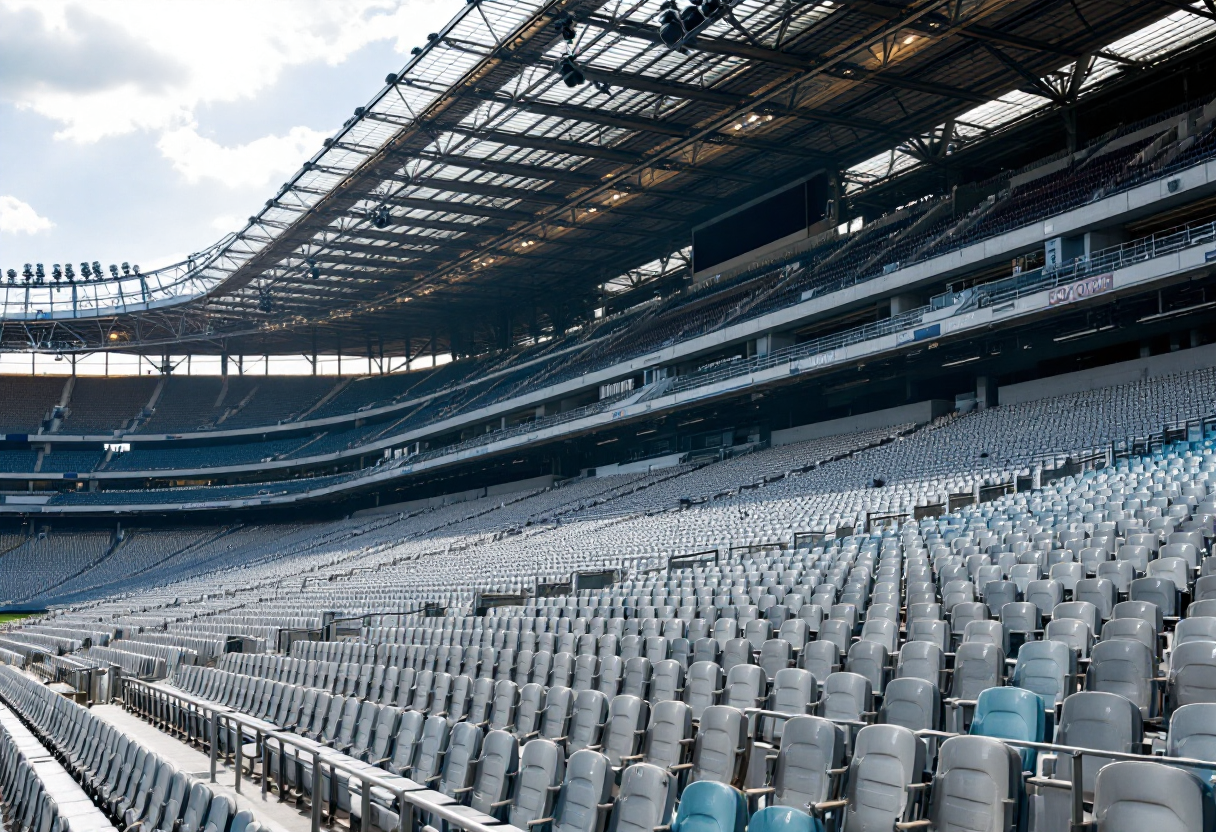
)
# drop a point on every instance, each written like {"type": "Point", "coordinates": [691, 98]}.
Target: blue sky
{"type": "Point", "coordinates": [143, 130]}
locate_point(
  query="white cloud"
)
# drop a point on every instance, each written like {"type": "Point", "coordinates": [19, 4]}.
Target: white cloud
{"type": "Point", "coordinates": [17, 217]}
{"type": "Point", "coordinates": [256, 164]}
{"type": "Point", "coordinates": [192, 52]}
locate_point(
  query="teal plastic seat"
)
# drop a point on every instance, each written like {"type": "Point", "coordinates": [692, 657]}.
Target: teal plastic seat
{"type": "Point", "coordinates": [706, 806]}
{"type": "Point", "coordinates": [1011, 714]}
{"type": "Point", "coordinates": [783, 819]}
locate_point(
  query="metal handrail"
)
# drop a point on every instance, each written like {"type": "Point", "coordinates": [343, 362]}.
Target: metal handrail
{"type": "Point", "coordinates": [224, 720]}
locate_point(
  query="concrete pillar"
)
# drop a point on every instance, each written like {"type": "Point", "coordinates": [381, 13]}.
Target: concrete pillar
{"type": "Point", "coordinates": [985, 392]}
{"type": "Point", "coordinates": [905, 303]}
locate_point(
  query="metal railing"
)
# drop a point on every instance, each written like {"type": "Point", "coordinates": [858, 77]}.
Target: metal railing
{"type": "Point", "coordinates": [202, 723]}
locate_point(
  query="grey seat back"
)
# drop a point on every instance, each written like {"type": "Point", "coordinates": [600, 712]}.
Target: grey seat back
{"type": "Point", "coordinates": [541, 769]}
{"type": "Point", "coordinates": [497, 767]}
{"type": "Point", "coordinates": [405, 744]}
{"type": "Point", "coordinates": [667, 681]}
{"type": "Point", "coordinates": [746, 687]}
{"type": "Point", "coordinates": [219, 813]}
{"type": "Point", "coordinates": [506, 700]}
{"type": "Point", "coordinates": [794, 691]}
{"type": "Point", "coordinates": [528, 711]}
{"type": "Point", "coordinates": [627, 716]}
{"type": "Point", "coordinates": [636, 681]}
{"type": "Point", "coordinates": [913, 703]}
{"type": "Point", "coordinates": [1192, 674]}
{"type": "Point", "coordinates": [1192, 732]}
{"type": "Point", "coordinates": [820, 658]}
{"type": "Point", "coordinates": [810, 747]}
{"type": "Point", "coordinates": [1101, 721]}
{"type": "Point", "coordinates": [464, 747]}
{"type": "Point", "coordinates": [667, 733]}
{"type": "Point", "coordinates": [869, 659]}
{"type": "Point", "coordinates": [886, 760]}
{"type": "Point", "coordinates": [1047, 668]}
{"type": "Point", "coordinates": [721, 741]}
{"type": "Point", "coordinates": [846, 697]}
{"type": "Point", "coordinates": [559, 702]}
{"type": "Point", "coordinates": [977, 785]}
{"type": "Point", "coordinates": [644, 801]}
{"type": "Point", "coordinates": [196, 808]}
{"type": "Point", "coordinates": [1131, 796]}
{"type": "Point", "coordinates": [702, 686]}
{"type": "Point", "coordinates": [977, 667]}
{"type": "Point", "coordinates": [587, 720]}
{"type": "Point", "coordinates": [585, 788]}
{"type": "Point", "coordinates": [920, 660]}
{"type": "Point", "coordinates": [612, 668]}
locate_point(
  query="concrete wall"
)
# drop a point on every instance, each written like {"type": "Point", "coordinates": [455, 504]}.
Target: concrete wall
{"type": "Point", "coordinates": [919, 412]}
{"type": "Point", "coordinates": [1126, 372]}
{"type": "Point", "coordinates": [461, 496]}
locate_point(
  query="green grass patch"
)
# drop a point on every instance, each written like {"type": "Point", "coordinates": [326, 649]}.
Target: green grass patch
{"type": "Point", "coordinates": [7, 617]}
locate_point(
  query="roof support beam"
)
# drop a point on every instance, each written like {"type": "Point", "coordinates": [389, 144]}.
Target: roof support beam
{"type": "Point", "coordinates": [459, 186]}
{"type": "Point", "coordinates": [590, 116]}
{"type": "Point", "coordinates": [670, 89]}
{"type": "Point", "coordinates": [553, 145]}
{"type": "Point", "coordinates": [513, 169]}
{"type": "Point", "coordinates": [1209, 12]}
{"type": "Point", "coordinates": [462, 208]}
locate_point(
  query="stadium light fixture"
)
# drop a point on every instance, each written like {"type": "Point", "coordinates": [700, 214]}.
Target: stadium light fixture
{"type": "Point", "coordinates": [679, 27]}
{"type": "Point", "coordinates": [571, 75]}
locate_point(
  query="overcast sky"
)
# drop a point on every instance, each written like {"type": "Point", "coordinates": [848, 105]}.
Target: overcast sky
{"type": "Point", "coordinates": [143, 130]}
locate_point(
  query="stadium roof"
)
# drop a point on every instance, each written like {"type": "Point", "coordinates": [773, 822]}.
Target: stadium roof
{"type": "Point", "coordinates": [476, 182]}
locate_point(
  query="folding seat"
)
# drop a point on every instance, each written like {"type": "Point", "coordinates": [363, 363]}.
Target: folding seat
{"type": "Point", "coordinates": [932, 612]}
{"type": "Point", "coordinates": [796, 632]}
{"type": "Point", "coordinates": [1135, 629]}
{"type": "Point", "coordinates": [977, 667]}
{"type": "Point", "coordinates": [562, 671]}
{"type": "Point", "coordinates": [459, 763]}
{"type": "Point", "coordinates": [523, 667]}
{"type": "Point", "coordinates": [921, 660]}
{"type": "Point", "coordinates": [820, 658]}
{"type": "Point", "coordinates": [1202, 628]}
{"type": "Point", "coordinates": [702, 687]}
{"type": "Point", "coordinates": [913, 703]}
{"type": "Point", "coordinates": [645, 800]}
{"type": "Point", "coordinates": [838, 632]}
{"type": "Point", "coordinates": [1092, 557]}
{"type": "Point", "coordinates": [636, 681]}
{"type": "Point", "coordinates": [1119, 572]}
{"type": "Point", "coordinates": [1094, 720]}
{"type": "Point", "coordinates": [1045, 595]}
{"type": "Point", "coordinates": [145, 810]}
{"type": "Point", "coordinates": [846, 697]}
{"type": "Point", "coordinates": [1022, 617]}
{"type": "Point", "coordinates": [964, 614]}
{"type": "Point", "coordinates": [706, 650]}
{"type": "Point", "coordinates": [977, 786]}
{"type": "Point", "coordinates": [612, 669]}
{"type": "Point", "coordinates": [623, 729]}
{"type": "Point", "coordinates": [724, 630]}
{"type": "Point", "coordinates": [528, 711]}
{"type": "Point", "coordinates": [999, 593]}
{"type": "Point", "coordinates": [887, 761]}
{"type": "Point", "coordinates": [881, 631]}
{"type": "Point", "coordinates": [195, 813]}
{"type": "Point", "coordinates": [1048, 668]}
{"type": "Point", "coordinates": [1144, 610]}
{"type": "Point", "coordinates": [721, 743]}
{"type": "Point", "coordinates": [541, 771]}
{"type": "Point", "coordinates": [1097, 591]}
{"type": "Point", "coordinates": [1130, 796]}
{"type": "Point", "coordinates": [932, 631]}
{"type": "Point", "coordinates": [174, 803]}
{"type": "Point", "coordinates": [1204, 589]}
{"type": "Point", "coordinates": [846, 613]}
{"type": "Point", "coordinates": [586, 720]}
{"type": "Point", "coordinates": [681, 651]}
{"type": "Point", "coordinates": [1137, 556]}
{"type": "Point", "coordinates": [1192, 674]}
{"type": "Point", "coordinates": [736, 651]}
{"type": "Point", "coordinates": [586, 672]}
{"type": "Point", "coordinates": [709, 806]}
{"type": "Point", "coordinates": [1011, 714]}
{"type": "Point", "coordinates": [542, 665]}
{"type": "Point", "coordinates": [1192, 734]}
{"type": "Point", "coordinates": [812, 614]}
{"type": "Point", "coordinates": [793, 693]}
{"type": "Point", "coordinates": [666, 681]}
{"type": "Point", "coordinates": [869, 659]}
{"type": "Point", "coordinates": [1160, 592]}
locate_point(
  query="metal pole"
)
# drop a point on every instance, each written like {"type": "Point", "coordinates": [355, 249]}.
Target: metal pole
{"type": "Point", "coordinates": [1078, 797]}
{"type": "Point", "coordinates": [316, 791]}
{"type": "Point", "coordinates": [237, 756]}
{"type": "Point", "coordinates": [215, 733]}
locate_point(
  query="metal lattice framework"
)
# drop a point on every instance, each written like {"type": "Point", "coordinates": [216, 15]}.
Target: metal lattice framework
{"type": "Point", "coordinates": [476, 184]}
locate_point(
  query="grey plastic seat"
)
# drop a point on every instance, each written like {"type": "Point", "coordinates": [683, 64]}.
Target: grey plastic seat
{"type": "Point", "coordinates": [612, 670]}
{"type": "Point", "coordinates": [219, 813]}
{"type": "Point", "coordinates": [666, 681]}
{"type": "Point", "coordinates": [976, 786]}
{"type": "Point", "coordinates": [775, 654]}
{"type": "Point", "coordinates": [703, 686]}
{"type": "Point", "coordinates": [1135, 629]}
{"type": "Point", "coordinates": [913, 703]}
{"type": "Point", "coordinates": [932, 630]}
{"type": "Point", "coordinates": [581, 805]}
{"type": "Point", "coordinates": [1192, 732]}
{"type": "Point", "coordinates": [645, 800]}
{"type": "Point", "coordinates": [196, 808]}
{"type": "Point", "coordinates": [921, 660]}
{"type": "Point", "coordinates": [736, 651]}
{"type": "Point", "coordinates": [1158, 591]}
{"type": "Point", "coordinates": [977, 667]}
{"type": "Point", "coordinates": [494, 772]}
{"type": "Point", "coordinates": [721, 743]}
{"type": "Point", "coordinates": [847, 697]}
{"type": "Point", "coordinates": [459, 764]}
{"type": "Point", "coordinates": [881, 631]}
{"type": "Point", "coordinates": [1046, 667]}
{"type": "Point", "coordinates": [504, 704]}
{"type": "Point", "coordinates": [995, 633]}
{"type": "Point", "coordinates": [586, 720]}
{"type": "Point", "coordinates": [1072, 632]}
{"type": "Point", "coordinates": [529, 711]}
{"type": "Point", "coordinates": [1192, 674]}
{"type": "Point", "coordinates": [555, 717]}
{"type": "Point", "coordinates": [887, 760]}
{"type": "Point", "coordinates": [1131, 796]}
{"type": "Point", "coordinates": [1144, 610]}
{"type": "Point", "coordinates": [432, 745]}
{"type": "Point", "coordinates": [542, 767]}
{"type": "Point", "coordinates": [623, 729]}
{"type": "Point", "coordinates": [636, 681]}
{"type": "Point", "coordinates": [746, 687]}
{"type": "Point", "coordinates": [869, 659]}
{"type": "Point", "coordinates": [1022, 617]}
{"type": "Point", "coordinates": [668, 734]}
{"type": "Point", "coordinates": [820, 658]}
{"type": "Point", "coordinates": [1124, 667]}
{"type": "Point", "coordinates": [1121, 573]}
{"type": "Point", "coordinates": [1101, 721]}
{"type": "Point", "coordinates": [1202, 628]}
{"type": "Point", "coordinates": [809, 763]}
{"type": "Point", "coordinates": [1097, 591]}
{"type": "Point", "coordinates": [793, 692]}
